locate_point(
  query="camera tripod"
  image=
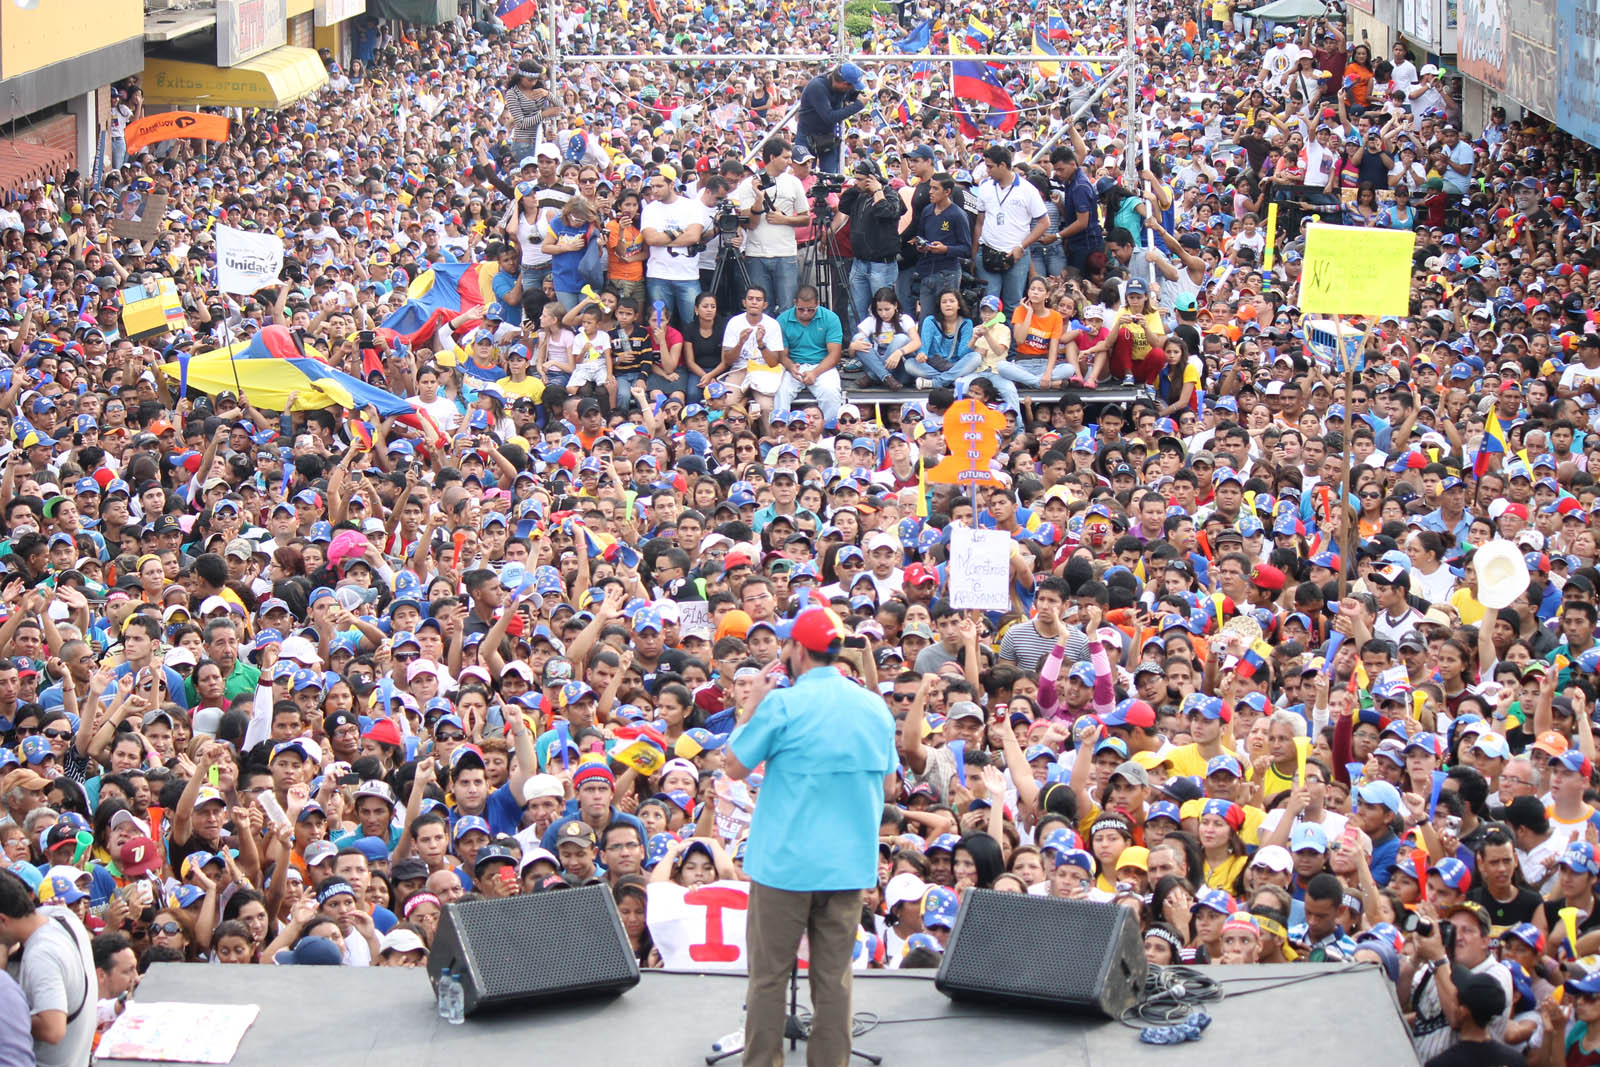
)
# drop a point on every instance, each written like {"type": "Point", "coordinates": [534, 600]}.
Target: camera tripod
{"type": "Point", "coordinates": [821, 265]}
{"type": "Point", "coordinates": [793, 1029]}
{"type": "Point", "coordinates": [730, 279]}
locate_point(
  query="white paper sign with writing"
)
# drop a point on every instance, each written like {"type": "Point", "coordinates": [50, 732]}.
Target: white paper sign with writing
{"type": "Point", "coordinates": [980, 569]}
{"type": "Point", "coordinates": [247, 262]}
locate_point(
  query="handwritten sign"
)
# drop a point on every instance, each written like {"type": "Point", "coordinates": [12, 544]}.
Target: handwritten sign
{"type": "Point", "coordinates": [1351, 270]}
{"type": "Point", "coordinates": [693, 614]}
{"type": "Point", "coordinates": [178, 1033]}
{"type": "Point", "coordinates": [972, 432]}
{"type": "Point", "coordinates": [980, 569]}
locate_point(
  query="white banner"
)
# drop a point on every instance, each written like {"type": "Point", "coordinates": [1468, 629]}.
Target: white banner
{"type": "Point", "coordinates": [247, 261]}
{"type": "Point", "coordinates": [703, 928]}
{"type": "Point", "coordinates": [980, 569]}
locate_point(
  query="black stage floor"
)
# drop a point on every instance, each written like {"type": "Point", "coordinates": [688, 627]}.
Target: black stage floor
{"type": "Point", "coordinates": [385, 1017]}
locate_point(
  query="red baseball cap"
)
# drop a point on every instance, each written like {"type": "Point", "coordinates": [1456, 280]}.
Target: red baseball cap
{"type": "Point", "coordinates": [917, 574]}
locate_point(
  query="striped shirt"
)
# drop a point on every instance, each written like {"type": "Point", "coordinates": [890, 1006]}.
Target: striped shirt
{"type": "Point", "coordinates": [1025, 646]}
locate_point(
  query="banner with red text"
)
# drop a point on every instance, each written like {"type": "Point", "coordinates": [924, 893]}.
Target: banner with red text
{"type": "Point", "coordinates": [703, 928]}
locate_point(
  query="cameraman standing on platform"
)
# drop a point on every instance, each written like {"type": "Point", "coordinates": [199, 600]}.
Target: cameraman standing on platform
{"type": "Point", "coordinates": [874, 215]}
{"type": "Point", "coordinates": [829, 749]}
{"type": "Point", "coordinates": [827, 100]}
{"type": "Point", "coordinates": [774, 203]}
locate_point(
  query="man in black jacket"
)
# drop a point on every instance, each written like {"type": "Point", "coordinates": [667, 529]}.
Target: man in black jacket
{"type": "Point", "coordinates": [874, 214]}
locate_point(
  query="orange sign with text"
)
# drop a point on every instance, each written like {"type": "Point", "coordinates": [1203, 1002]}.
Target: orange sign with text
{"type": "Point", "coordinates": [173, 125]}
{"type": "Point", "coordinates": [972, 433]}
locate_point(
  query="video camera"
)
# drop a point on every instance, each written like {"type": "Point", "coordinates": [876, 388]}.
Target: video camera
{"type": "Point", "coordinates": [827, 184]}
{"type": "Point", "coordinates": [726, 219]}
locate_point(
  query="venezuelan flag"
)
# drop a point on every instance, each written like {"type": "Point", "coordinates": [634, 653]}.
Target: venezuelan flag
{"type": "Point", "coordinates": [1493, 444]}
{"type": "Point", "coordinates": [1255, 657]}
{"type": "Point", "coordinates": [1047, 71]}
{"type": "Point", "coordinates": [438, 295]}
{"type": "Point", "coordinates": [978, 34]}
{"type": "Point", "coordinates": [1056, 26]}
{"type": "Point", "coordinates": [976, 83]}
{"type": "Point", "coordinates": [514, 13]}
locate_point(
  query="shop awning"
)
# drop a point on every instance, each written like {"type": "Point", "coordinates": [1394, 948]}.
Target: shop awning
{"type": "Point", "coordinates": [272, 80]}
{"type": "Point", "coordinates": [23, 162]}
{"type": "Point", "coordinates": [416, 12]}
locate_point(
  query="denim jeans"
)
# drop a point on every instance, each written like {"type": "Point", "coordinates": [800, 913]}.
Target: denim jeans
{"type": "Point", "coordinates": [932, 285]}
{"type": "Point", "coordinates": [533, 278]}
{"type": "Point", "coordinates": [1009, 286]}
{"type": "Point", "coordinates": [826, 162]}
{"type": "Point", "coordinates": [1006, 377]}
{"type": "Point", "coordinates": [677, 295]}
{"type": "Point", "coordinates": [873, 359]}
{"type": "Point", "coordinates": [866, 279]}
{"type": "Point", "coordinates": [779, 276]}
{"type": "Point", "coordinates": [1048, 260]}
{"type": "Point", "coordinates": [625, 382]}
{"type": "Point", "coordinates": [568, 300]}
{"type": "Point", "coordinates": [916, 368]}
{"type": "Point", "coordinates": [1035, 368]}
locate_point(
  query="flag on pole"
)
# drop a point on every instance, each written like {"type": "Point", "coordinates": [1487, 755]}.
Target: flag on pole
{"type": "Point", "coordinates": [513, 13]}
{"type": "Point", "coordinates": [1493, 444]}
{"type": "Point", "coordinates": [1047, 71]}
{"type": "Point", "coordinates": [974, 82]}
{"type": "Point", "coordinates": [978, 34]}
{"type": "Point", "coordinates": [1055, 26]}
{"type": "Point", "coordinates": [920, 39]}
{"type": "Point", "coordinates": [921, 68]}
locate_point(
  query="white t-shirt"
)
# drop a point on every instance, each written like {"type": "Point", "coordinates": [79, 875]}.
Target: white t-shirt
{"type": "Point", "coordinates": [765, 334]}
{"type": "Point", "coordinates": [881, 332]}
{"type": "Point", "coordinates": [1434, 588]}
{"type": "Point", "coordinates": [1461, 154]}
{"type": "Point", "coordinates": [674, 263]}
{"type": "Point", "coordinates": [1279, 61]}
{"type": "Point", "coordinates": [1008, 213]}
{"type": "Point", "coordinates": [1577, 376]}
{"type": "Point", "coordinates": [786, 197]}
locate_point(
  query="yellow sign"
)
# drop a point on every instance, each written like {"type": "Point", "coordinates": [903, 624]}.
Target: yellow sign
{"type": "Point", "coordinates": [1352, 270]}
{"type": "Point", "coordinates": [38, 35]}
{"type": "Point", "coordinates": [1270, 250]}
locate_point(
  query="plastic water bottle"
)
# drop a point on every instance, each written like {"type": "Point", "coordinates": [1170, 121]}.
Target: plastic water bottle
{"type": "Point", "coordinates": [452, 999]}
{"type": "Point", "coordinates": [441, 992]}
{"type": "Point", "coordinates": [732, 1042]}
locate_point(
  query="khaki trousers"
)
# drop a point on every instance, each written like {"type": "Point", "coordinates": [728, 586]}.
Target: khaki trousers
{"type": "Point", "coordinates": [776, 921]}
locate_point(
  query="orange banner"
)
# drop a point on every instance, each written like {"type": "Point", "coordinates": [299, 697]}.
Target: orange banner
{"type": "Point", "coordinates": [173, 125]}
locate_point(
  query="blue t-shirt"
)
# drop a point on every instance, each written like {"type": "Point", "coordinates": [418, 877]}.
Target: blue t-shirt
{"type": "Point", "coordinates": [827, 744]}
{"type": "Point", "coordinates": [808, 342]}
{"type": "Point", "coordinates": [503, 283]}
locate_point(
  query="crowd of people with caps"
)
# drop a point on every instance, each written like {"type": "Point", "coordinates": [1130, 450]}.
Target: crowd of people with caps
{"type": "Point", "coordinates": [286, 680]}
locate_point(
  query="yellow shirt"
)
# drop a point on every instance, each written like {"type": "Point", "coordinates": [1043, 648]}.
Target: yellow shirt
{"type": "Point", "coordinates": [1188, 761]}
{"type": "Point", "coordinates": [1224, 875]}
{"type": "Point", "coordinates": [1467, 607]}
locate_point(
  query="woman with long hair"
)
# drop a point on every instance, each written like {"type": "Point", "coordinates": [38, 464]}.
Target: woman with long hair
{"type": "Point", "coordinates": [565, 238]}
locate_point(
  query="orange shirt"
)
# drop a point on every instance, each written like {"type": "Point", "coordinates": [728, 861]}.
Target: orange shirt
{"type": "Point", "coordinates": [1033, 340]}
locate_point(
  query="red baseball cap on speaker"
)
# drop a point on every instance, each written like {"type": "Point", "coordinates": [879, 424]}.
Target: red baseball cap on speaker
{"type": "Point", "coordinates": [818, 629]}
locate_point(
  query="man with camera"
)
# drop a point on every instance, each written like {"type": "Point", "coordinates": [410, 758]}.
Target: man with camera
{"type": "Point", "coordinates": [874, 215]}
{"type": "Point", "coordinates": [827, 100]}
{"type": "Point", "coordinates": [1011, 216]}
{"type": "Point", "coordinates": [943, 241]}
{"type": "Point", "coordinates": [773, 202]}
{"type": "Point", "coordinates": [672, 226]}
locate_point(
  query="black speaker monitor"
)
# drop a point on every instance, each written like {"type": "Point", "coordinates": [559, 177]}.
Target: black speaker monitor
{"type": "Point", "coordinates": [1080, 956]}
{"type": "Point", "coordinates": [537, 948]}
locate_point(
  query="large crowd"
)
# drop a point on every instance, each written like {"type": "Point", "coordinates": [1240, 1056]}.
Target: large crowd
{"type": "Point", "coordinates": [282, 684]}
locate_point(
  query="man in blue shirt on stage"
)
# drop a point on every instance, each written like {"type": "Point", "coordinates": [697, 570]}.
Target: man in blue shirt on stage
{"type": "Point", "coordinates": [828, 746]}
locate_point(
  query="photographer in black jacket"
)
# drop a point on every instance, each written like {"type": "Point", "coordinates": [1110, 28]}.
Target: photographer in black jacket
{"type": "Point", "coordinates": [874, 214]}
